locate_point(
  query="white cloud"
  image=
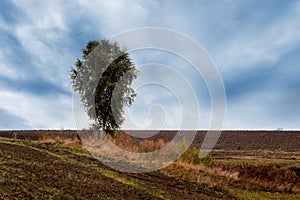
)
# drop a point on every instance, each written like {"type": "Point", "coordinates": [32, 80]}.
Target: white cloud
{"type": "Point", "coordinates": [44, 15]}
{"type": "Point", "coordinates": [7, 70]}
{"type": "Point", "coordinates": [39, 112]}
{"type": "Point", "coordinates": [264, 46]}
{"type": "Point", "coordinates": [42, 33]}
{"type": "Point", "coordinates": [262, 109]}
{"type": "Point", "coordinates": [111, 17]}
{"type": "Point", "coordinates": [46, 25]}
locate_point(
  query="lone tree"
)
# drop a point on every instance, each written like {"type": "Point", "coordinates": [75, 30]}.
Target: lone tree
{"type": "Point", "coordinates": [103, 79]}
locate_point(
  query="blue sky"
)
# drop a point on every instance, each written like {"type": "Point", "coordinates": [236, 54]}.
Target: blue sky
{"type": "Point", "coordinates": [254, 44]}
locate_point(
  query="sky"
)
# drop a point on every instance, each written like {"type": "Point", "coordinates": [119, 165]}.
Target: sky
{"type": "Point", "coordinates": [254, 44]}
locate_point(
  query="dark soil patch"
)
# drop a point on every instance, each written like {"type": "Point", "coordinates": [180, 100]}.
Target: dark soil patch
{"type": "Point", "coordinates": [26, 172]}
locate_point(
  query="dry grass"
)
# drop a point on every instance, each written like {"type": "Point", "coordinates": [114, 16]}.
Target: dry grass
{"type": "Point", "coordinates": [244, 181]}
{"type": "Point", "coordinates": [125, 141]}
{"type": "Point", "coordinates": [60, 140]}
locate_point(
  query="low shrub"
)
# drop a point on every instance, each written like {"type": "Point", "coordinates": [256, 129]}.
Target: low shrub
{"type": "Point", "coordinates": [192, 156]}
{"type": "Point", "coordinates": [270, 177]}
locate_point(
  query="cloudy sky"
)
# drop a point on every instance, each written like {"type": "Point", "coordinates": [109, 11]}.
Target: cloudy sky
{"type": "Point", "coordinates": [254, 44]}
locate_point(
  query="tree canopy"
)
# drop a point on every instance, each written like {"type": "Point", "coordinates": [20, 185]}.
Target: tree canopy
{"type": "Point", "coordinates": [103, 79]}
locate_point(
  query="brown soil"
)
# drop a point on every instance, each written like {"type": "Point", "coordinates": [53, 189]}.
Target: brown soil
{"type": "Point", "coordinates": [40, 170]}
{"type": "Point", "coordinates": [288, 141]}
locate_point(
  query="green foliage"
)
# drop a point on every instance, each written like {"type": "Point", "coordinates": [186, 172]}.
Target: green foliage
{"type": "Point", "coordinates": [44, 136]}
{"type": "Point", "coordinates": [192, 156]}
{"type": "Point", "coordinates": [208, 161]}
{"type": "Point", "coordinates": [103, 78]}
{"type": "Point", "coordinates": [183, 146]}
